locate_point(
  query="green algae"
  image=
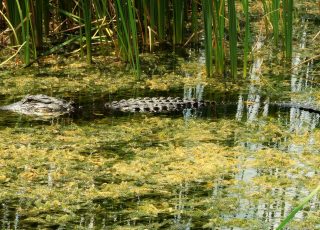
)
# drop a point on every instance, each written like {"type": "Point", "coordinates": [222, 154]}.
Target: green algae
{"type": "Point", "coordinates": [59, 171]}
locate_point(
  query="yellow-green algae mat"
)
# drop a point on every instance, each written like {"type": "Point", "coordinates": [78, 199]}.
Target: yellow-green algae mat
{"type": "Point", "coordinates": [156, 172]}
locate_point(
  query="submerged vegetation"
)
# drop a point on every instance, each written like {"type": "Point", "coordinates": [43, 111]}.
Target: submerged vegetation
{"type": "Point", "coordinates": [135, 172]}
{"type": "Point", "coordinates": [41, 27]}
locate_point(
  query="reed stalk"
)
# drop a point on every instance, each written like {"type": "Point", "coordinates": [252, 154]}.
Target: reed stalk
{"type": "Point", "coordinates": [247, 38]}
{"type": "Point", "coordinates": [266, 10]}
{"type": "Point", "coordinates": [127, 34]}
{"type": "Point", "coordinates": [287, 26]}
{"type": "Point", "coordinates": [161, 7]}
{"type": "Point", "coordinates": [37, 22]}
{"type": "Point", "coordinates": [194, 20]}
{"type": "Point", "coordinates": [15, 20]}
{"type": "Point", "coordinates": [178, 21]}
{"type": "Point", "coordinates": [24, 29]}
{"type": "Point", "coordinates": [153, 13]}
{"type": "Point", "coordinates": [233, 37]}
{"type": "Point", "coordinates": [46, 16]}
{"type": "Point", "coordinates": [219, 27]}
{"type": "Point", "coordinates": [86, 7]}
{"type": "Point", "coordinates": [275, 15]}
{"type": "Point", "coordinates": [15, 36]}
{"type": "Point", "coordinates": [207, 12]}
{"type": "Point", "coordinates": [156, 21]}
{"type": "Point", "coordinates": [81, 36]}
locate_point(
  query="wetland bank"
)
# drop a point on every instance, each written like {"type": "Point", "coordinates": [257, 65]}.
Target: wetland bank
{"type": "Point", "coordinates": [243, 164]}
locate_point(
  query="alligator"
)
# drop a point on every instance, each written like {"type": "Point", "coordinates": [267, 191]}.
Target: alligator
{"type": "Point", "coordinates": [41, 105]}
{"type": "Point", "coordinates": [157, 104]}
{"type": "Point", "coordinates": [45, 106]}
{"type": "Point", "coordinates": [170, 104]}
{"type": "Point", "coordinates": [312, 108]}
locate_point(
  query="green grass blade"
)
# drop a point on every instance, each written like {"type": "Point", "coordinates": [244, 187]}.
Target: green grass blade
{"type": "Point", "coordinates": [12, 56]}
{"type": "Point", "coordinates": [207, 16]}
{"type": "Point", "coordinates": [288, 29]}
{"type": "Point", "coordinates": [86, 8]}
{"type": "Point", "coordinates": [70, 15]}
{"type": "Point", "coordinates": [14, 18]}
{"type": "Point", "coordinates": [11, 27]}
{"type": "Point", "coordinates": [134, 35]}
{"type": "Point", "coordinates": [153, 11]}
{"type": "Point", "coordinates": [161, 18]}
{"type": "Point", "coordinates": [81, 37]}
{"type": "Point", "coordinates": [45, 14]}
{"type": "Point", "coordinates": [27, 33]}
{"type": "Point", "coordinates": [245, 4]}
{"type": "Point", "coordinates": [233, 37]}
{"type": "Point", "coordinates": [37, 19]}
{"type": "Point", "coordinates": [194, 20]}
{"type": "Point", "coordinates": [24, 29]}
{"type": "Point", "coordinates": [127, 33]}
{"type": "Point", "coordinates": [219, 27]}
{"type": "Point", "coordinates": [178, 21]}
{"type": "Point", "coordinates": [298, 208]}
{"type": "Point", "coordinates": [275, 20]}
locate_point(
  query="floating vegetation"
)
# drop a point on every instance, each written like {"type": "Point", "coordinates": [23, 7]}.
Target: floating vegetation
{"type": "Point", "coordinates": [245, 163]}
{"type": "Point", "coordinates": [146, 162]}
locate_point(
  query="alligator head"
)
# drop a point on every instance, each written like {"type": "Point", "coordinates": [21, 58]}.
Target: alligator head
{"type": "Point", "coordinates": [40, 105]}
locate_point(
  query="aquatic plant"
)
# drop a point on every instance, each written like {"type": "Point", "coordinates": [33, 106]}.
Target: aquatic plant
{"type": "Point", "coordinates": [298, 208]}
{"type": "Point", "coordinates": [144, 23]}
{"type": "Point", "coordinates": [207, 17]}
{"type": "Point", "coordinates": [87, 25]}
{"type": "Point", "coordinates": [287, 26]}
{"type": "Point", "coordinates": [247, 37]}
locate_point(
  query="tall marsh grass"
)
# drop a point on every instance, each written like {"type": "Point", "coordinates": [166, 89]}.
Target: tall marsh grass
{"type": "Point", "coordinates": [139, 24]}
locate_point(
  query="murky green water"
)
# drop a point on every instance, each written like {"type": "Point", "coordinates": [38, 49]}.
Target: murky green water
{"type": "Point", "coordinates": [241, 165]}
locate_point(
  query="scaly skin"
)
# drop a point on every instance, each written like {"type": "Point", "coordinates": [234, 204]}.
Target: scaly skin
{"type": "Point", "coordinates": [45, 106]}
{"type": "Point", "coordinates": [156, 104]}
{"type": "Point", "coordinates": [40, 105]}
{"type": "Point", "coordinates": [302, 106]}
